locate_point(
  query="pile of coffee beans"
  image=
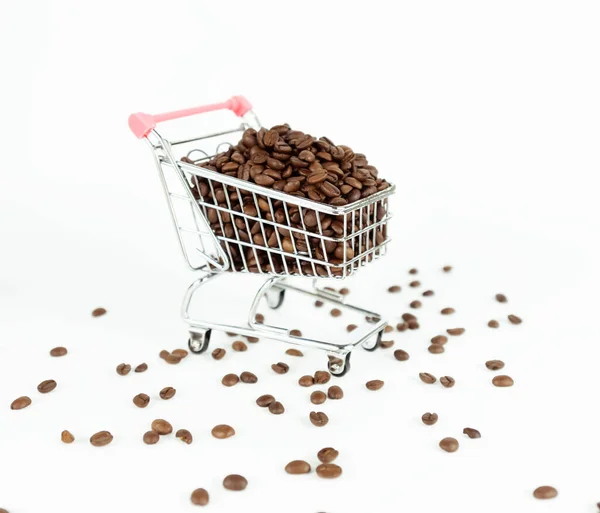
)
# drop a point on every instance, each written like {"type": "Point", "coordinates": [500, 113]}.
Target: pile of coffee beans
{"type": "Point", "coordinates": [302, 166]}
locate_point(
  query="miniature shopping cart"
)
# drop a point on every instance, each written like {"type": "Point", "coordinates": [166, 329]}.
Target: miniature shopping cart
{"type": "Point", "coordinates": [208, 246]}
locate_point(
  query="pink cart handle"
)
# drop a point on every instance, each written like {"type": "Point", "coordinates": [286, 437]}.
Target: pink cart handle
{"type": "Point", "coordinates": [141, 124]}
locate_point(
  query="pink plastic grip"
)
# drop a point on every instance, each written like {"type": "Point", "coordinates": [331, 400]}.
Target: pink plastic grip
{"type": "Point", "coordinates": [141, 124]}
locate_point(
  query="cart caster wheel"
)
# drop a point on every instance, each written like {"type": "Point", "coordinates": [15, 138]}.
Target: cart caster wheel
{"type": "Point", "coordinates": [369, 345]}
{"type": "Point", "coordinates": [275, 298]}
{"type": "Point", "coordinates": [338, 367]}
{"type": "Point", "coordinates": [198, 341]}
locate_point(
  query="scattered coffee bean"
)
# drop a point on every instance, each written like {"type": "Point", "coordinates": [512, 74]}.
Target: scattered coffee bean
{"type": "Point", "coordinates": [427, 378]}
{"type": "Point", "coordinates": [401, 326]}
{"type": "Point", "coordinates": [163, 354]}
{"type": "Point", "coordinates": [327, 454]}
{"type": "Point", "coordinates": [101, 439]}
{"type": "Point", "coordinates": [407, 317]}
{"type": "Point", "coordinates": [264, 400]}
{"type": "Point", "coordinates": [318, 418]}
{"type": "Point", "coordinates": [318, 397]}
{"type": "Point", "coordinates": [336, 312]}
{"type": "Point", "coordinates": [248, 377]}
{"type": "Point", "coordinates": [375, 384]}
{"type": "Point", "coordinates": [494, 364]}
{"type": "Point", "coordinates": [447, 381]}
{"type": "Point", "coordinates": [471, 433]}
{"type": "Point", "coordinates": [297, 467]}
{"type": "Point", "coordinates": [151, 437]}
{"type": "Point", "coordinates": [142, 367]}
{"type": "Point", "coordinates": [123, 369]}
{"type": "Point", "coordinates": [545, 492]}
{"type": "Point", "coordinates": [20, 402]}
{"type": "Point", "coordinates": [2, 510]}
{"type": "Point", "coordinates": [276, 408]}
{"type": "Point", "coordinates": [280, 368]}
{"type": "Point", "coordinates": [413, 325]}
{"type": "Point", "coordinates": [503, 381]}
{"type": "Point", "coordinates": [501, 298]}
{"type": "Point", "coordinates": [231, 334]}
{"type": "Point", "coordinates": [98, 312]}
{"type": "Point", "coordinates": [322, 377]}
{"type": "Point", "coordinates": [415, 283]}
{"type": "Point", "coordinates": [415, 304]}
{"type": "Point", "coordinates": [172, 359]}
{"type": "Point", "coordinates": [439, 340]}
{"type": "Point", "coordinates": [329, 470]}
{"type": "Point", "coordinates": [394, 288]}
{"type": "Point", "coordinates": [260, 318]}
{"type": "Point", "coordinates": [46, 386]}
{"type": "Point", "coordinates": [401, 355]}
{"type": "Point", "coordinates": [351, 327]}
{"type": "Point", "coordinates": [294, 352]}
{"type": "Point", "coordinates": [429, 419]}
{"type": "Point", "coordinates": [295, 333]}
{"type": "Point", "coordinates": [167, 393]}
{"type": "Point", "coordinates": [413, 271]}
{"type": "Point", "coordinates": [514, 319]}
{"type": "Point", "coordinates": [235, 482]}
{"type": "Point", "coordinates": [223, 431]}
{"type": "Point", "coordinates": [141, 400]}
{"type": "Point", "coordinates": [66, 437]}
{"type": "Point", "coordinates": [493, 324]}
{"type": "Point", "coordinates": [162, 427]}
{"type": "Point", "coordinates": [449, 444]}
{"type": "Point", "coordinates": [230, 379]}
{"type": "Point", "coordinates": [436, 349]}
{"type": "Point", "coordinates": [58, 351]}
{"type": "Point", "coordinates": [388, 329]}
{"type": "Point", "coordinates": [239, 346]}
{"type": "Point", "coordinates": [199, 497]}
{"type": "Point", "coordinates": [386, 344]}
{"type": "Point", "coordinates": [447, 268]}
{"type": "Point", "coordinates": [335, 392]}
{"type": "Point", "coordinates": [185, 436]}
{"type": "Point", "coordinates": [181, 353]}
{"type": "Point", "coordinates": [447, 311]}
{"type": "Point", "coordinates": [318, 303]}
{"type": "Point", "coordinates": [428, 293]}
{"type": "Point", "coordinates": [455, 332]}
{"type": "Point", "coordinates": [218, 353]}
{"type": "Point", "coordinates": [306, 381]}
{"type": "Point", "coordinates": [252, 340]}
{"type": "Point", "coordinates": [344, 291]}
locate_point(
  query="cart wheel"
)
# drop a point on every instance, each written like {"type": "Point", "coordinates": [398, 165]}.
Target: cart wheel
{"type": "Point", "coordinates": [198, 341]}
{"type": "Point", "coordinates": [338, 367]}
{"type": "Point", "coordinates": [369, 345]}
{"type": "Point", "coordinates": [275, 298]}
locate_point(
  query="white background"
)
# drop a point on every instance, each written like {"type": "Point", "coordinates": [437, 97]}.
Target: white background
{"type": "Point", "coordinates": [485, 115]}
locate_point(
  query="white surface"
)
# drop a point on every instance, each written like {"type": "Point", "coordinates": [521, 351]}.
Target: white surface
{"type": "Point", "coordinates": [492, 113]}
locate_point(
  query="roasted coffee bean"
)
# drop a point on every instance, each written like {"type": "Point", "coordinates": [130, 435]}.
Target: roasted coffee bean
{"type": "Point", "coordinates": [413, 271]}
{"type": "Point", "coordinates": [416, 304]}
{"type": "Point", "coordinates": [415, 283]}
{"type": "Point", "coordinates": [447, 268]}
{"type": "Point", "coordinates": [344, 291]}
{"type": "Point", "coordinates": [181, 353]}
{"type": "Point", "coordinates": [167, 393]}
{"type": "Point", "coordinates": [375, 384]}
{"type": "Point", "coordinates": [297, 467]}
{"type": "Point", "coordinates": [164, 353]}
{"type": "Point", "coordinates": [413, 325]}
{"type": "Point", "coordinates": [235, 482]}
{"type": "Point", "coordinates": [294, 352]}
{"type": "Point", "coordinates": [501, 298]}
{"type": "Point", "coordinates": [401, 355]}
{"type": "Point", "coordinates": [514, 319]}
{"type": "Point", "coordinates": [172, 359]}
{"type": "Point", "coordinates": [260, 318]}
{"type": "Point", "coordinates": [66, 437]}
{"type": "Point", "coordinates": [329, 470]}
{"type": "Point", "coordinates": [494, 364]}
{"type": "Point", "coordinates": [327, 454]}
{"type": "Point", "coordinates": [401, 326]}
{"type": "Point", "coordinates": [471, 433]}
{"type": "Point", "coordinates": [295, 333]}
{"type": "Point", "coordinates": [151, 437]}
{"type": "Point", "coordinates": [222, 431]}
{"type": "Point", "coordinates": [318, 303]}
{"type": "Point", "coordinates": [142, 367]}
{"type": "Point", "coordinates": [545, 492]}
{"type": "Point", "coordinates": [385, 344]}
{"type": "Point", "coordinates": [336, 312]}
{"type": "Point", "coordinates": [253, 340]}
{"type": "Point", "coordinates": [449, 444]}
{"type": "Point", "coordinates": [394, 288]}
{"type": "Point", "coordinates": [427, 378]}
{"type": "Point", "coordinates": [428, 293]}
{"type": "Point", "coordinates": [20, 402]}
{"type": "Point", "coordinates": [276, 408]}
{"type": "Point", "coordinates": [447, 381]}
{"type": "Point", "coordinates": [455, 331]}
{"type": "Point", "coordinates": [429, 419]}
{"type": "Point", "coordinates": [58, 351]}
{"type": "Point", "coordinates": [439, 340]}
{"type": "Point", "coordinates": [230, 379]}
{"type": "Point", "coordinates": [101, 439]}
{"type": "Point", "coordinates": [162, 427]}
{"type": "Point", "coordinates": [46, 386]}
{"type": "Point", "coordinates": [503, 381]}
{"type": "Point", "coordinates": [335, 392]}
{"type": "Point", "coordinates": [318, 418]}
{"type": "Point", "coordinates": [306, 381]}
{"type": "Point", "coordinates": [123, 369]}
{"type": "Point", "coordinates": [493, 324]}
{"type": "Point", "coordinates": [248, 377]}
{"type": "Point", "coordinates": [351, 327]}
{"type": "Point", "coordinates": [318, 397]}
{"type": "Point", "coordinates": [239, 346]}
{"type": "Point", "coordinates": [264, 400]}
{"type": "Point", "coordinates": [98, 312]}
{"type": "Point", "coordinates": [436, 349]}
{"type": "Point", "coordinates": [388, 329]}
{"type": "Point", "coordinates": [447, 311]}
{"type": "Point", "coordinates": [199, 497]}
{"type": "Point", "coordinates": [280, 368]}
{"type": "Point", "coordinates": [218, 353]}
{"type": "Point", "coordinates": [141, 400]}
{"type": "Point", "coordinates": [407, 317]}
{"type": "Point", "coordinates": [322, 377]}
